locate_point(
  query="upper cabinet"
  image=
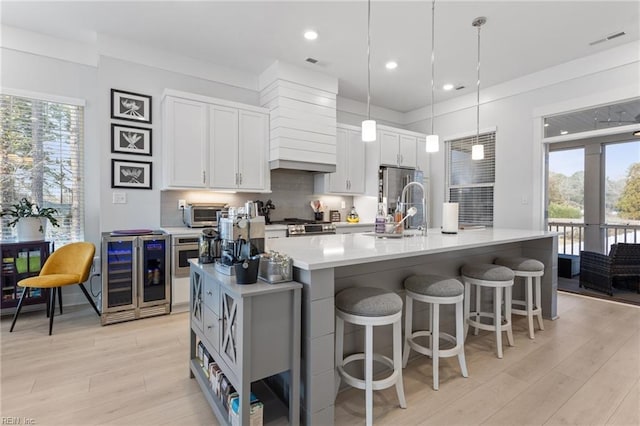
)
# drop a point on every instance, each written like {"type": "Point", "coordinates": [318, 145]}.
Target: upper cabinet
{"type": "Point", "coordinates": [214, 144]}
{"type": "Point", "coordinates": [397, 149]}
{"type": "Point", "coordinates": [349, 177]}
{"type": "Point", "coordinates": [185, 143]}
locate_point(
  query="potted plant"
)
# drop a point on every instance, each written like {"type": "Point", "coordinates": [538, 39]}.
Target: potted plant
{"type": "Point", "coordinates": [30, 220]}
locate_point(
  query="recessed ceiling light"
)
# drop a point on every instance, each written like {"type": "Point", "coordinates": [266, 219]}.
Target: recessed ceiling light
{"type": "Point", "coordinates": [391, 65]}
{"type": "Point", "coordinates": [310, 35]}
{"type": "Point", "coordinates": [546, 124]}
{"type": "Point", "coordinates": [448, 86]}
{"type": "Point", "coordinates": [564, 132]}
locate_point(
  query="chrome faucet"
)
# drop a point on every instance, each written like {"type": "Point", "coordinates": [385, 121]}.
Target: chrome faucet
{"type": "Point", "coordinates": [423, 227]}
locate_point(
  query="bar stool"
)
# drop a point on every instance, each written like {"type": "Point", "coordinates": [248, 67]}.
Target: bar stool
{"type": "Point", "coordinates": [532, 271]}
{"type": "Point", "coordinates": [435, 291]}
{"type": "Point", "coordinates": [498, 278]}
{"type": "Point", "coordinates": [370, 307]}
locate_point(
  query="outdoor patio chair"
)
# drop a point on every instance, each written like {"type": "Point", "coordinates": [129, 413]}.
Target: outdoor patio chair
{"type": "Point", "coordinates": [601, 272]}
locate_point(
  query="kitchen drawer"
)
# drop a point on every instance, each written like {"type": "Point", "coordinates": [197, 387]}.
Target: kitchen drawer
{"type": "Point", "coordinates": [212, 295]}
{"type": "Point", "coordinates": [211, 328]}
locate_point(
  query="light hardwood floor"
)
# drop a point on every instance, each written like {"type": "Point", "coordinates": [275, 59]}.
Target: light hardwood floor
{"type": "Point", "coordinates": [583, 369]}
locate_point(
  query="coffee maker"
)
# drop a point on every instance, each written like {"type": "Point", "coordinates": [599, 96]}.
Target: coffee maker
{"type": "Point", "coordinates": [209, 246]}
{"type": "Point", "coordinates": [241, 233]}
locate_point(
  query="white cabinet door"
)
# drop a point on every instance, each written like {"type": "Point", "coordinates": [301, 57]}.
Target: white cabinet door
{"type": "Point", "coordinates": [223, 134]}
{"type": "Point", "coordinates": [252, 150]}
{"type": "Point", "coordinates": [185, 143]}
{"type": "Point", "coordinates": [338, 179]}
{"type": "Point", "coordinates": [356, 156]}
{"type": "Point", "coordinates": [407, 151]}
{"type": "Point", "coordinates": [389, 148]}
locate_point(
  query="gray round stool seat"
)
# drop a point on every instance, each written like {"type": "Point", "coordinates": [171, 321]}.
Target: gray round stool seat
{"type": "Point", "coordinates": [531, 271]}
{"type": "Point", "coordinates": [499, 279]}
{"type": "Point", "coordinates": [434, 285]}
{"type": "Point", "coordinates": [434, 290]}
{"type": "Point", "coordinates": [520, 264]}
{"type": "Point", "coordinates": [369, 307]}
{"type": "Point", "coordinates": [487, 272]}
{"type": "Point", "coordinates": [368, 301]}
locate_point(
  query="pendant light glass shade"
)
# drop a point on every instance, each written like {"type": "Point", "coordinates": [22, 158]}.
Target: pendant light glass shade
{"type": "Point", "coordinates": [369, 130]}
{"type": "Point", "coordinates": [477, 150]}
{"type": "Point", "coordinates": [433, 141]}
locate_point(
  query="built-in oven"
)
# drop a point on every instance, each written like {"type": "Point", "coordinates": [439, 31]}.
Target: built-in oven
{"type": "Point", "coordinates": [184, 247]}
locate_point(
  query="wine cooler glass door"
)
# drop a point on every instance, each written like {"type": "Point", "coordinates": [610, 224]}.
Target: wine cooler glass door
{"type": "Point", "coordinates": [155, 270]}
{"type": "Point", "coordinates": [119, 272]}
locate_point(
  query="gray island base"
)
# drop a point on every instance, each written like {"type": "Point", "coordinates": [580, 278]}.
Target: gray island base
{"type": "Point", "coordinates": [327, 264]}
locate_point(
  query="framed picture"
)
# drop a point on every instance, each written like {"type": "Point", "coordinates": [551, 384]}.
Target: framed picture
{"type": "Point", "coordinates": [130, 174]}
{"type": "Point", "coordinates": [130, 140]}
{"type": "Point", "coordinates": [130, 106]}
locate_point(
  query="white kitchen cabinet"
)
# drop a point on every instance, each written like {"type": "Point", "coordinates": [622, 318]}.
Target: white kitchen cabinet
{"type": "Point", "coordinates": [230, 142]}
{"type": "Point", "coordinates": [397, 149]}
{"type": "Point", "coordinates": [185, 143]}
{"type": "Point", "coordinates": [349, 177]}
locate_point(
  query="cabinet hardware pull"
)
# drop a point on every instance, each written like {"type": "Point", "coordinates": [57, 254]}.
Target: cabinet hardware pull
{"type": "Point", "coordinates": [209, 327]}
{"type": "Point", "coordinates": [204, 179]}
{"type": "Point", "coordinates": [209, 293]}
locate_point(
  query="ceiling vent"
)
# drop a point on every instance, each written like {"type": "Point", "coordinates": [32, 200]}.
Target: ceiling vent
{"type": "Point", "coordinates": [607, 38]}
{"type": "Point", "coordinates": [312, 60]}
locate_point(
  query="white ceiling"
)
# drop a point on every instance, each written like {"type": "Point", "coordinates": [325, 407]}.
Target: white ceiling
{"type": "Point", "coordinates": [519, 38]}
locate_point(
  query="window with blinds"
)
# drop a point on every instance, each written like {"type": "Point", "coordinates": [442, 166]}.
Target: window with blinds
{"type": "Point", "coordinates": [470, 182]}
{"type": "Point", "coordinates": [41, 159]}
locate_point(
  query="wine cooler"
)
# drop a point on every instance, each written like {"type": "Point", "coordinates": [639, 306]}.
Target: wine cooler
{"type": "Point", "coordinates": [136, 275]}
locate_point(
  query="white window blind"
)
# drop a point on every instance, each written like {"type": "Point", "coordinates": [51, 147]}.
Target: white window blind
{"type": "Point", "coordinates": [41, 159]}
{"type": "Point", "coordinates": [470, 182]}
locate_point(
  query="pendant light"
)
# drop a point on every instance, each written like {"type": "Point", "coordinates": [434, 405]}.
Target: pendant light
{"type": "Point", "coordinates": [369, 125]}
{"type": "Point", "coordinates": [477, 150]}
{"type": "Point", "coordinates": [433, 141]}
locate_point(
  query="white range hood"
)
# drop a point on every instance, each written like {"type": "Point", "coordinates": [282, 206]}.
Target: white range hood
{"type": "Point", "coordinates": [302, 106]}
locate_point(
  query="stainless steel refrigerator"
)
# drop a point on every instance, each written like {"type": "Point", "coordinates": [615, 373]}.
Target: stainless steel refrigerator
{"type": "Point", "coordinates": [391, 182]}
{"type": "Point", "coordinates": [136, 276]}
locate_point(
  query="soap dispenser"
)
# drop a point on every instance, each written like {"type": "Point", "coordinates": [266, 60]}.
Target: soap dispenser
{"type": "Point", "coordinates": [353, 216]}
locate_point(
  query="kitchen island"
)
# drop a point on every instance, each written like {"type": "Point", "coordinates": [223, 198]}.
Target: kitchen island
{"type": "Point", "coordinates": [326, 264]}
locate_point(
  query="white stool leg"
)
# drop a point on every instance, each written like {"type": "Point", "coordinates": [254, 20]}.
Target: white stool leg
{"type": "Point", "coordinates": [408, 329]}
{"type": "Point", "coordinates": [497, 318]}
{"type": "Point", "coordinates": [339, 350]}
{"type": "Point", "coordinates": [538, 302]}
{"type": "Point", "coordinates": [368, 373]}
{"type": "Point", "coordinates": [507, 313]}
{"type": "Point", "coordinates": [467, 307]}
{"type": "Point", "coordinates": [429, 325]}
{"type": "Point", "coordinates": [478, 302]}
{"type": "Point", "coordinates": [397, 344]}
{"type": "Point", "coordinates": [529, 304]}
{"type": "Point", "coordinates": [460, 339]}
{"type": "Point", "coordinates": [435, 346]}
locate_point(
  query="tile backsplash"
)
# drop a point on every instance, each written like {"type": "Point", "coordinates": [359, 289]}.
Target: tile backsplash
{"type": "Point", "coordinates": [291, 193]}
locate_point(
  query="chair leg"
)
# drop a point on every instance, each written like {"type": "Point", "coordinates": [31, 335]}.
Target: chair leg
{"type": "Point", "coordinates": [497, 318]}
{"type": "Point", "coordinates": [15, 316]}
{"type": "Point", "coordinates": [368, 374]}
{"type": "Point", "coordinates": [408, 329]}
{"type": "Point", "coordinates": [60, 299]}
{"type": "Point", "coordinates": [86, 294]}
{"type": "Point", "coordinates": [52, 301]}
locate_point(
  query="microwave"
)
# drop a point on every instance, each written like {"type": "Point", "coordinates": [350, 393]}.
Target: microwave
{"type": "Point", "coordinates": [201, 215]}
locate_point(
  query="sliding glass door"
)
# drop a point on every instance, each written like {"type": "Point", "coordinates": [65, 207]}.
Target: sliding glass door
{"type": "Point", "coordinates": [593, 193]}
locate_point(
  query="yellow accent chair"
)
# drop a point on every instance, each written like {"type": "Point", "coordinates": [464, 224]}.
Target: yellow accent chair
{"type": "Point", "coordinates": [68, 265]}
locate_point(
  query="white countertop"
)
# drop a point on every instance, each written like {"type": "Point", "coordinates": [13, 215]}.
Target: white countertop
{"type": "Point", "coordinates": [329, 251]}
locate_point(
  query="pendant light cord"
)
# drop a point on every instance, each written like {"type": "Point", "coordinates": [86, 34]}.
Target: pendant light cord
{"type": "Point", "coordinates": [369, 60]}
{"type": "Point", "coordinates": [433, 58]}
{"type": "Point", "coordinates": [478, 22]}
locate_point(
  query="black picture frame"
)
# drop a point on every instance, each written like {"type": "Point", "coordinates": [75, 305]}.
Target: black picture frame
{"type": "Point", "coordinates": [130, 139]}
{"type": "Point", "coordinates": [131, 174]}
{"type": "Point", "coordinates": [130, 106]}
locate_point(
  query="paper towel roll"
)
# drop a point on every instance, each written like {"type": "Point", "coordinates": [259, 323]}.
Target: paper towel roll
{"type": "Point", "coordinates": [449, 218]}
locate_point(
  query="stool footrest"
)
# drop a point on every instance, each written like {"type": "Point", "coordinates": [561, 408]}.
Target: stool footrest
{"type": "Point", "coordinates": [442, 353]}
{"type": "Point", "coordinates": [360, 383]}
{"type": "Point", "coordinates": [505, 325]}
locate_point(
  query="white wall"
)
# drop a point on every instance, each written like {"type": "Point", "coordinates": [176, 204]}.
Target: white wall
{"type": "Point", "coordinates": [519, 189]}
